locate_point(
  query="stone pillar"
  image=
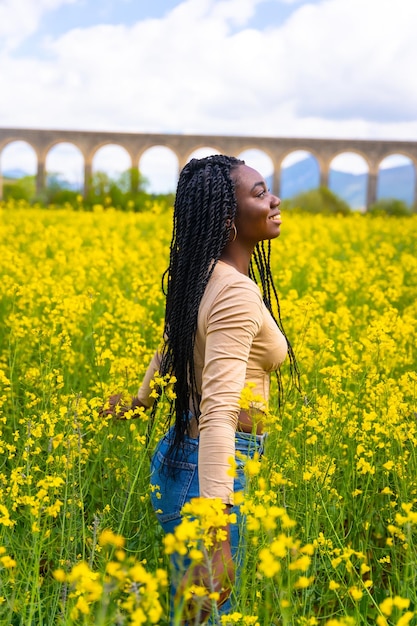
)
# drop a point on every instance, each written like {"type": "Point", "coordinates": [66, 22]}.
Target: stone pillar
{"type": "Point", "coordinates": [40, 176]}
{"type": "Point", "coordinates": [276, 183]}
{"type": "Point", "coordinates": [371, 189]}
{"type": "Point", "coordinates": [182, 162]}
{"type": "Point", "coordinates": [137, 176]}
{"type": "Point", "coordinates": [324, 174]}
{"type": "Point", "coordinates": [88, 172]}
{"type": "Point", "coordinates": [415, 186]}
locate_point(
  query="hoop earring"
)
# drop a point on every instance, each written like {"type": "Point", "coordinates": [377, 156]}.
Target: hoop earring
{"type": "Point", "coordinates": [235, 235]}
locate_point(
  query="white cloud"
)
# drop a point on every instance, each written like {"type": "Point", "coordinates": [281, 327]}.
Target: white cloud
{"type": "Point", "coordinates": [66, 161]}
{"type": "Point", "coordinates": [336, 67]}
{"type": "Point", "coordinates": [21, 18]}
{"type": "Point", "coordinates": [111, 159]}
{"type": "Point", "coordinates": [19, 156]}
{"type": "Point", "coordinates": [237, 12]}
{"type": "Point", "coordinates": [358, 60]}
{"type": "Point", "coordinates": [350, 162]}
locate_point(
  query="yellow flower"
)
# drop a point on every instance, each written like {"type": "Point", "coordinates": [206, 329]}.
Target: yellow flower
{"type": "Point", "coordinates": [268, 564]}
{"type": "Point", "coordinates": [401, 603]}
{"type": "Point", "coordinates": [333, 585]}
{"type": "Point", "coordinates": [109, 538]}
{"type": "Point", "coordinates": [60, 575]}
{"type": "Point", "coordinates": [114, 570]}
{"type": "Point", "coordinates": [303, 582]}
{"type": "Point", "coordinates": [138, 617]}
{"type": "Point", "coordinates": [82, 606]}
{"type": "Point", "coordinates": [280, 545]}
{"type": "Point", "coordinates": [303, 563]}
{"type": "Point", "coordinates": [356, 593]}
{"type": "Point", "coordinates": [233, 466]}
{"type": "Point", "coordinates": [5, 516]}
{"type": "Point", "coordinates": [171, 545]}
{"type": "Point", "coordinates": [388, 465]}
{"type": "Point", "coordinates": [196, 555]}
{"type": "Point", "coordinates": [406, 618]}
{"type": "Point", "coordinates": [7, 562]}
{"type": "Point", "coordinates": [231, 618]}
{"type": "Point", "coordinates": [253, 466]}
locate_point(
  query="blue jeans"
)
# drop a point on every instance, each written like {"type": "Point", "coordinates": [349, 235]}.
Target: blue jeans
{"type": "Point", "coordinates": [172, 489]}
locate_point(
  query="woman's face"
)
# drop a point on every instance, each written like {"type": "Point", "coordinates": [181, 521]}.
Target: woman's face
{"type": "Point", "coordinates": [258, 216]}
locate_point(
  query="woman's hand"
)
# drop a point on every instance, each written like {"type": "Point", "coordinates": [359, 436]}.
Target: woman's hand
{"type": "Point", "coordinates": [117, 407]}
{"type": "Point", "coordinates": [216, 574]}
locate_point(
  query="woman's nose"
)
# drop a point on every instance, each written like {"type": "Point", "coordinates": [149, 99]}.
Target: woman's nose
{"type": "Point", "coordinates": [275, 201]}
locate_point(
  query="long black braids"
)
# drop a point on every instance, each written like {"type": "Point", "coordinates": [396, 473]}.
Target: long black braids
{"type": "Point", "coordinates": [204, 212]}
{"type": "Point", "coordinates": [260, 273]}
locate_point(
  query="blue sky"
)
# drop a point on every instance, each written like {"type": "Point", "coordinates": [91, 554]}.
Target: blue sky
{"type": "Point", "coordinates": [88, 13]}
{"type": "Point", "coordinates": [318, 68]}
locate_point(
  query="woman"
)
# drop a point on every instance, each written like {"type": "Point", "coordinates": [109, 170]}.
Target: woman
{"type": "Point", "coordinates": [220, 335]}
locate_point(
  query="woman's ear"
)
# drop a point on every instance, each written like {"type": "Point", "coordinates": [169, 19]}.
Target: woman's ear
{"type": "Point", "coordinates": [231, 224]}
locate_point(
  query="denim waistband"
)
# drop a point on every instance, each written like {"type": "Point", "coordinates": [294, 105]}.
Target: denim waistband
{"type": "Point", "coordinates": [244, 441]}
{"type": "Point", "coordinates": [250, 442]}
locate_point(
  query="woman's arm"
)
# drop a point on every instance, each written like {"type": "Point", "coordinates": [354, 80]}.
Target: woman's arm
{"type": "Point", "coordinates": [232, 324]}
{"type": "Point", "coordinates": [118, 407]}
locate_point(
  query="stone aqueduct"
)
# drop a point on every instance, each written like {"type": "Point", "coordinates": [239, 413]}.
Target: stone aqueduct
{"type": "Point", "coordinates": [324, 150]}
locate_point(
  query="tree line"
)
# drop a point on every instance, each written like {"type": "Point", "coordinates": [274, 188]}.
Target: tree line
{"type": "Point", "coordinates": [127, 192]}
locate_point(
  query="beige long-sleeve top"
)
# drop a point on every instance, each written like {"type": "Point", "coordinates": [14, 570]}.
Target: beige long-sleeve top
{"type": "Point", "coordinates": [237, 342]}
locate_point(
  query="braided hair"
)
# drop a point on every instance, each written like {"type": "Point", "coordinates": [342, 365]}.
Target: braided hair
{"type": "Point", "coordinates": [204, 212]}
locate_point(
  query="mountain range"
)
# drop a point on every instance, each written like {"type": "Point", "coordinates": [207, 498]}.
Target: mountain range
{"type": "Point", "coordinates": [394, 182]}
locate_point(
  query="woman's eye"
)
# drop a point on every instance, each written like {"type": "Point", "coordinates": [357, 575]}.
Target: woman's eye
{"type": "Point", "coordinates": [261, 195]}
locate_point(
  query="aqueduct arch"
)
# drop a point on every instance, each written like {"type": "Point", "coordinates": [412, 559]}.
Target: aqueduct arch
{"type": "Point", "coordinates": [276, 148]}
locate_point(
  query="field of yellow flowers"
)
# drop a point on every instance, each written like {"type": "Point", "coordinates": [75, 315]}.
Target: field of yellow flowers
{"type": "Point", "coordinates": [331, 508]}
